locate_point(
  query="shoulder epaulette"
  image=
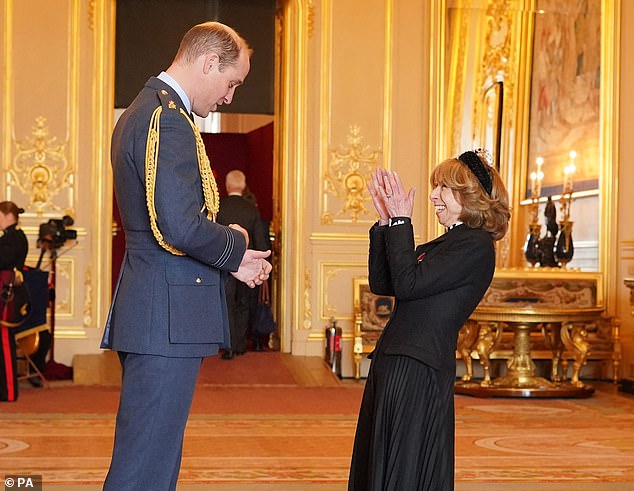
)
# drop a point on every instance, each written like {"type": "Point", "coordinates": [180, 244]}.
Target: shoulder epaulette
{"type": "Point", "coordinates": [167, 101]}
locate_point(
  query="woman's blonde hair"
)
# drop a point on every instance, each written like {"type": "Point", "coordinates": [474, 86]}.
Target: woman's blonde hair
{"type": "Point", "coordinates": [488, 211]}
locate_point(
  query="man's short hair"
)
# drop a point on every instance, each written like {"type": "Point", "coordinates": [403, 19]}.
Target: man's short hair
{"type": "Point", "coordinates": [212, 37]}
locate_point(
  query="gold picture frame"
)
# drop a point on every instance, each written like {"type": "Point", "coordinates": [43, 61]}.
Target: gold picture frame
{"type": "Point", "coordinates": [375, 310]}
{"type": "Point", "coordinates": [490, 124]}
{"type": "Point", "coordinates": [565, 109]}
{"type": "Point", "coordinates": [371, 314]}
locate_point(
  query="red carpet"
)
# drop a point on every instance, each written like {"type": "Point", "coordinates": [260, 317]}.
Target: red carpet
{"type": "Point", "coordinates": [256, 383]}
{"type": "Point", "coordinates": [287, 428]}
{"type": "Point", "coordinates": [262, 368]}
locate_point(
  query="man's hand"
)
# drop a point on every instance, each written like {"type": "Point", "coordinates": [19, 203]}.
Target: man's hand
{"type": "Point", "coordinates": [237, 227]}
{"type": "Point", "coordinates": [254, 268]}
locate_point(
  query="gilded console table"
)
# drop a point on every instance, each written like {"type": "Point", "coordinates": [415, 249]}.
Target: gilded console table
{"type": "Point", "coordinates": [566, 330]}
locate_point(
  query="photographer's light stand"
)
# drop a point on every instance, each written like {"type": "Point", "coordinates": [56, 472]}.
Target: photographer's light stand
{"type": "Point", "coordinates": [54, 370]}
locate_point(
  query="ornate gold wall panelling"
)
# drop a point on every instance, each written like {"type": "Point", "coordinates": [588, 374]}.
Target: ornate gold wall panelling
{"type": "Point", "coordinates": [499, 35]}
{"type": "Point", "coordinates": [65, 305]}
{"type": "Point", "coordinates": [345, 182]}
{"type": "Point", "coordinates": [57, 92]}
{"type": "Point", "coordinates": [354, 84]}
{"type": "Point", "coordinates": [308, 304]}
{"type": "Point", "coordinates": [330, 82]}
{"type": "Point", "coordinates": [291, 116]}
{"type": "Point", "coordinates": [41, 174]}
{"type": "Point", "coordinates": [335, 294]}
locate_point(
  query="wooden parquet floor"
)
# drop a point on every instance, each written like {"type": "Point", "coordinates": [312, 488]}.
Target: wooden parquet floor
{"type": "Point", "coordinates": [294, 432]}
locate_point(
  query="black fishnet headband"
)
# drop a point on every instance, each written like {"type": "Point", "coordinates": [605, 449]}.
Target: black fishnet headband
{"type": "Point", "coordinates": [479, 169]}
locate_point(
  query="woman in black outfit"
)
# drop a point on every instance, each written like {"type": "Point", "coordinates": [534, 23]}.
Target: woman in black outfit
{"type": "Point", "coordinates": [405, 433]}
{"type": "Point", "coordinates": [14, 247]}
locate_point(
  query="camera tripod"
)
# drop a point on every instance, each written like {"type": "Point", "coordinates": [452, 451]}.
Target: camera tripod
{"type": "Point", "coordinates": [54, 370]}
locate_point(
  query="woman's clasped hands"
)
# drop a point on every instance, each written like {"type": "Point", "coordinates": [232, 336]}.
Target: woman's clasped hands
{"type": "Point", "coordinates": [389, 196]}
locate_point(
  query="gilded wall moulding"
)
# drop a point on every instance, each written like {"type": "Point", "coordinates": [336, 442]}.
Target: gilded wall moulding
{"type": "Point", "coordinates": [65, 286]}
{"type": "Point", "coordinates": [496, 64]}
{"type": "Point", "coordinates": [329, 309]}
{"type": "Point", "coordinates": [311, 18]}
{"type": "Point", "coordinates": [40, 170]}
{"type": "Point", "coordinates": [346, 178]}
{"type": "Point", "coordinates": [92, 14]}
{"type": "Point", "coordinates": [456, 82]}
{"type": "Point", "coordinates": [308, 309]}
{"type": "Point", "coordinates": [88, 298]}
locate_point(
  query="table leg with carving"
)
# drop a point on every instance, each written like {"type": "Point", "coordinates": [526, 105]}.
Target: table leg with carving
{"type": "Point", "coordinates": [466, 340]}
{"type": "Point", "coordinates": [488, 337]}
{"type": "Point", "coordinates": [520, 379]}
{"type": "Point", "coordinates": [358, 355]}
{"type": "Point", "coordinates": [521, 368]}
{"type": "Point", "coordinates": [615, 330]}
{"type": "Point", "coordinates": [552, 337]}
{"type": "Point", "coordinates": [574, 337]}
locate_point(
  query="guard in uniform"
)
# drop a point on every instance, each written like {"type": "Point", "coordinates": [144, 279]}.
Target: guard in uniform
{"type": "Point", "coordinates": [14, 247]}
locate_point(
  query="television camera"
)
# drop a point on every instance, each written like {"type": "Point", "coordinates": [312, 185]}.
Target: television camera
{"type": "Point", "coordinates": [54, 233]}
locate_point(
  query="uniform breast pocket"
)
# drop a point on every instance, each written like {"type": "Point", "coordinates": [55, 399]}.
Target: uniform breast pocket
{"type": "Point", "coordinates": [195, 306]}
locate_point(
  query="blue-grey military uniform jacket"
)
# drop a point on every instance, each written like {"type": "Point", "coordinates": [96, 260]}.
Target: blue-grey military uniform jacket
{"type": "Point", "coordinates": [167, 304]}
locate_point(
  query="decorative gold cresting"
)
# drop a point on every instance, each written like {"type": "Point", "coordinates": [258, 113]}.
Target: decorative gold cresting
{"type": "Point", "coordinates": [41, 169]}
{"type": "Point", "coordinates": [346, 177]}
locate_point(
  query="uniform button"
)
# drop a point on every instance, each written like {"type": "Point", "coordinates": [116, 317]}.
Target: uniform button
{"type": "Point", "coordinates": [199, 280]}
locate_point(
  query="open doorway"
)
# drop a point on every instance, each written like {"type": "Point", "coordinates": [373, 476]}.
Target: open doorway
{"type": "Point", "coordinates": [242, 135]}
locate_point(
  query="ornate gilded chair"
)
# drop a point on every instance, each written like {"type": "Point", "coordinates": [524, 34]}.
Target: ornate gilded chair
{"type": "Point", "coordinates": [371, 313]}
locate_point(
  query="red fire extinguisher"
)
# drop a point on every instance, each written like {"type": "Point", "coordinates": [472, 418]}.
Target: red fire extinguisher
{"type": "Point", "coordinates": [333, 347]}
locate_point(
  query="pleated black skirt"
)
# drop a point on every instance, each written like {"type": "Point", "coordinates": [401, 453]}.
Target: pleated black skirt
{"type": "Point", "coordinates": [405, 433]}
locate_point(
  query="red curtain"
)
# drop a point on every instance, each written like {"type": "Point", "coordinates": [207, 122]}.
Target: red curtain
{"type": "Point", "coordinates": [252, 153]}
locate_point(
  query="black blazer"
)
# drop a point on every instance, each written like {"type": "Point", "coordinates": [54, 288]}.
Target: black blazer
{"type": "Point", "coordinates": [436, 286]}
{"type": "Point", "coordinates": [236, 209]}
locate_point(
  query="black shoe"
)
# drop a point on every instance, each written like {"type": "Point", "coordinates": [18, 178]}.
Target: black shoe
{"type": "Point", "coordinates": [240, 353]}
{"type": "Point", "coordinates": [36, 382]}
{"type": "Point", "coordinates": [227, 355]}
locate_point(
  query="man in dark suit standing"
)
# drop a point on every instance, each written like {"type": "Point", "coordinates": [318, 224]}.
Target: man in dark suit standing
{"type": "Point", "coordinates": [234, 209]}
{"type": "Point", "coordinates": [169, 310]}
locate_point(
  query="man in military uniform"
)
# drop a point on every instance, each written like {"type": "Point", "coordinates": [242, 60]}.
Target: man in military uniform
{"type": "Point", "coordinates": [169, 310]}
{"type": "Point", "coordinates": [14, 247]}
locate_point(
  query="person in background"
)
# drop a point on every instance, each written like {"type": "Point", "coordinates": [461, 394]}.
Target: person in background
{"type": "Point", "coordinates": [168, 310]}
{"type": "Point", "coordinates": [14, 248]}
{"type": "Point", "coordinates": [263, 294]}
{"type": "Point", "coordinates": [235, 209]}
{"type": "Point", "coordinates": [405, 432]}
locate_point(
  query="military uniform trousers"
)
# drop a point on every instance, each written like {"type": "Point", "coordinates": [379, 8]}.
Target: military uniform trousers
{"type": "Point", "coordinates": [156, 397]}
